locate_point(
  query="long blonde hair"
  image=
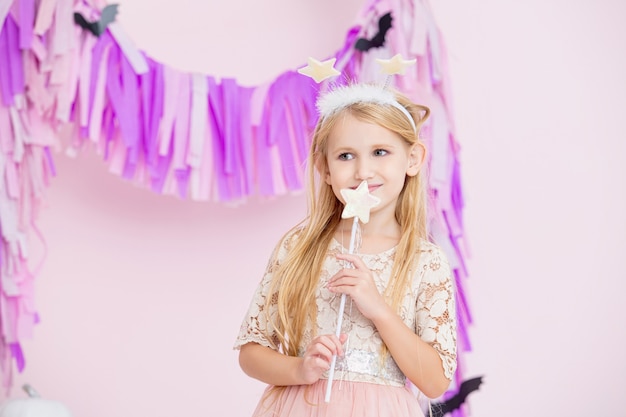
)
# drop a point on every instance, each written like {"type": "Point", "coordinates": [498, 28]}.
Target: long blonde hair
{"type": "Point", "coordinates": [295, 280]}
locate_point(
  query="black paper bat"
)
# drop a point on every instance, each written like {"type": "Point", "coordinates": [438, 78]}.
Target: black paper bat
{"type": "Point", "coordinates": [378, 40]}
{"type": "Point", "coordinates": [454, 402]}
{"type": "Point", "coordinates": [99, 26]}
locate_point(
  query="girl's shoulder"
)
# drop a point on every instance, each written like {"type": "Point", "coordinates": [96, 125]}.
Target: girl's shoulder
{"type": "Point", "coordinates": [291, 236]}
{"type": "Point", "coordinates": [434, 262]}
{"type": "Point", "coordinates": [428, 246]}
{"type": "Point", "coordinates": [288, 241]}
{"type": "Point", "coordinates": [430, 251]}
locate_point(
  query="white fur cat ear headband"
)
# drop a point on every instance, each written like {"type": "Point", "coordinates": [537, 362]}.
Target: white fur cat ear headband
{"type": "Point", "coordinates": [343, 96]}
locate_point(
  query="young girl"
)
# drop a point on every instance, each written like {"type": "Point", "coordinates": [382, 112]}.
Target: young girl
{"type": "Point", "coordinates": [399, 323]}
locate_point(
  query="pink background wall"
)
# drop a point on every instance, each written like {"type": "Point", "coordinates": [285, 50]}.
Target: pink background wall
{"type": "Point", "coordinates": [141, 295]}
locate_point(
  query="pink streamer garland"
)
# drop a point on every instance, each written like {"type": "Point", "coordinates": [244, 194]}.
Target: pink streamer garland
{"type": "Point", "coordinates": [186, 134]}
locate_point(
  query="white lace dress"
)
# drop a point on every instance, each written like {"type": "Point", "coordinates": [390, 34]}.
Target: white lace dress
{"type": "Point", "coordinates": [363, 385]}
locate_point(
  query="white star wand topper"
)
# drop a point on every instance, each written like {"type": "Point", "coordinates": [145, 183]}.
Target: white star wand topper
{"type": "Point", "coordinates": [358, 205]}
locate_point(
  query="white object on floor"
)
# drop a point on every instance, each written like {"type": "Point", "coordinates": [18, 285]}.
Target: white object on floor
{"type": "Point", "coordinates": [33, 406]}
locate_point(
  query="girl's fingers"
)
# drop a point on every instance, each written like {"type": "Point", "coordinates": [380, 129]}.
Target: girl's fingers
{"type": "Point", "coordinates": [346, 273]}
{"type": "Point", "coordinates": [318, 356]}
{"type": "Point", "coordinates": [347, 278]}
{"type": "Point", "coordinates": [326, 346]}
{"type": "Point", "coordinates": [354, 259]}
{"type": "Point", "coordinates": [320, 351]}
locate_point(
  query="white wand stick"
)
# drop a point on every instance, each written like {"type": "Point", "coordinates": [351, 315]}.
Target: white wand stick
{"type": "Point", "coordinates": [358, 205]}
{"type": "Point", "coordinates": [342, 306]}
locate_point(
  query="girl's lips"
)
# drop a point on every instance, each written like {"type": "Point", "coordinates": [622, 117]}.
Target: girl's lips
{"type": "Point", "coordinates": [370, 188]}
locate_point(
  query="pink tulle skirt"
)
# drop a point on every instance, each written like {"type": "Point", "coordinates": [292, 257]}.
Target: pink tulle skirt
{"type": "Point", "coordinates": [348, 399]}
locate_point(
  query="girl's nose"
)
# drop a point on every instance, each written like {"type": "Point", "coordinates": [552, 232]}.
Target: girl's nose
{"type": "Point", "coordinates": [365, 169]}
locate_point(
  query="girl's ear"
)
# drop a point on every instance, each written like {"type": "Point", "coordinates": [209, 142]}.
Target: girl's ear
{"type": "Point", "coordinates": [322, 168]}
{"type": "Point", "coordinates": [417, 156]}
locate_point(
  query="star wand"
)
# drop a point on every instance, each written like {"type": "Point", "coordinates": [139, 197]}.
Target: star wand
{"type": "Point", "coordinates": [358, 205]}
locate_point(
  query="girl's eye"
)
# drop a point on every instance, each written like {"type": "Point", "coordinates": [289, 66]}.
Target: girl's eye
{"type": "Point", "coordinates": [380, 152]}
{"type": "Point", "coordinates": [345, 156]}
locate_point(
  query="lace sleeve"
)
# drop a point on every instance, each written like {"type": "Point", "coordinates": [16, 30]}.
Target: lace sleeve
{"type": "Point", "coordinates": [436, 308]}
{"type": "Point", "coordinates": [256, 326]}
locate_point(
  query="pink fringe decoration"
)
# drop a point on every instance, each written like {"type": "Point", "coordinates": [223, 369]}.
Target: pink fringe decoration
{"type": "Point", "coordinates": [187, 134]}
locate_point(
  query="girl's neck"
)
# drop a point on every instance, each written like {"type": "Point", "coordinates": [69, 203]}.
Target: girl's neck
{"type": "Point", "coordinates": [376, 236]}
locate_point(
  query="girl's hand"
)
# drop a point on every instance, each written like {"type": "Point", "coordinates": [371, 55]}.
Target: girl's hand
{"type": "Point", "coordinates": [318, 356]}
{"type": "Point", "coordinates": [359, 284]}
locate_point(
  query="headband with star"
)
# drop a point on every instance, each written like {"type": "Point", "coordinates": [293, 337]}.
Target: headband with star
{"type": "Point", "coordinates": [341, 97]}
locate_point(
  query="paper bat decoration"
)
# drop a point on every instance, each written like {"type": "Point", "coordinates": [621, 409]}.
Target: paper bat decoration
{"type": "Point", "coordinates": [378, 40]}
{"type": "Point", "coordinates": [99, 26]}
{"type": "Point", "coordinates": [454, 402]}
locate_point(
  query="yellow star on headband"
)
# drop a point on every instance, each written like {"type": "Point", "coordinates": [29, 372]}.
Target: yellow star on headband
{"type": "Point", "coordinates": [395, 65]}
{"type": "Point", "coordinates": [358, 202]}
{"type": "Point", "coordinates": [319, 71]}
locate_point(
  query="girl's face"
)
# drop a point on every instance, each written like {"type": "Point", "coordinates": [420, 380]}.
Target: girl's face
{"type": "Point", "coordinates": [358, 151]}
